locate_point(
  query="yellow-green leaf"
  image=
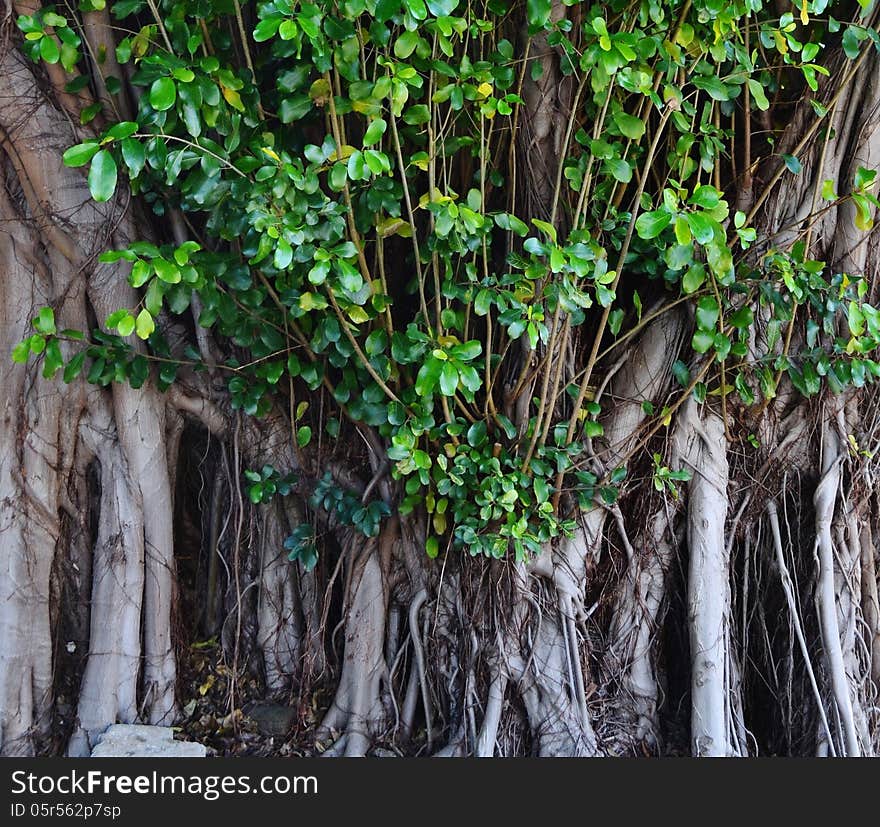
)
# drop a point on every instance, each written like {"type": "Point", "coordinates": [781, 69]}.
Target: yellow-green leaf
{"type": "Point", "coordinates": [144, 324]}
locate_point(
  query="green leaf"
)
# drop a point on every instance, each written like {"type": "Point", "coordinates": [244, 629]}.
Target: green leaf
{"type": "Point", "coordinates": [80, 154]}
{"type": "Point", "coordinates": [681, 373]}
{"type": "Point", "coordinates": [144, 325]}
{"type": "Point", "coordinates": [432, 547]}
{"type": "Point", "coordinates": [707, 313]}
{"type": "Point", "coordinates": [90, 113]}
{"type": "Point", "coordinates": [620, 169]}
{"type": "Point", "coordinates": [124, 129]}
{"type": "Point", "coordinates": [355, 166]}
{"type": "Point", "coordinates": [102, 176]}
{"type": "Point", "coordinates": [693, 278]}
{"type": "Point", "coordinates": [44, 321]}
{"type": "Point", "coordinates": [651, 224]}
{"type": "Point", "coordinates": [134, 156]}
{"type": "Point", "coordinates": [166, 270]}
{"type": "Point", "coordinates": [374, 132]}
{"type": "Point", "coordinates": [615, 319]}
{"type": "Point", "coordinates": [294, 108]}
{"type": "Point", "coordinates": [114, 318]}
{"type": "Point", "coordinates": [679, 256]}
{"type": "Point", "coordinates": [405, 45]}
{"type": "Point", "coordinates": [377, 161]}
{"type": "Point", "coordinates": [57, 21]}
{"type": "Point", "coordinates": [338, 176]}
{"type": "Point", "coordinates": [427, 377]}
{"type": "Point", "coordinates": [538, 12]}
{"type": "Point", "coordinates": [702, 341]}
{"type": "Point", "coordinates": [702, 226]}
{"type": "Point", "coordinates": [482, 302]}
{"type": "Point", "coordinates": [448, 379]}
{"type": "Point", "coordinates": [758, 96]}
{"type": "Point", "coordinates": [855, 319]}
{"type": "Point", "coordinates": [416, 8]}
{"type": "Point", "coordinates": [863, 219]}
{"type": "Point", "coordinates": [49, 50]}
{"type": "Point", "coordinates": [541, 489]}
{"type": "Point", "coordinates": [73, 368]}
{"type": "Point", "coordinates": [545, 227]}
{"type": "Point", "coordinates": [743, 318]}
{"type": "Point", "coordinates": [21, 352]}
{"type": "Point", "coordinates": [629, 125]}
{"type": "Point", "coordinates": [716, 88]}
{"type": "Point", "coordinates": [287, 30]}
{"type": "Point", "coordinates": [140, 273]}
{"type": "Point", "coordinates": [705, 196]}
{"type": "Point", "coordinates": [266, 29]}
{"type": "Point", "coordinates": [283, 254]}
{"type": "Point", "coordinates": [53, 359]}
{"type": "Point", "coordinates": [476, 434]}
{"type": "Point", "coordinates": [163, 93]}
{"type": "Point", "coordinates": [349, 276]}
{"type": "Point", "coordinates": [303, 436]}
{"type": "Point", "coordinates": [864, 178]}
{"type": "Point", "coordinates": [417, 115]}
{"type": "Point", "coordinates": [682, 230]}
{"type": "Point", "coordinates": [37, 343]}
{"type": "Point", "coordinates": [792, 163]}
{"type": "Point", "coordinates": [467, 351]}
{"type": "Point", "coordinates": [125, 326]}
{"type": "Point", "coordinates": [469, 377]}
{"type": "Point", "coordinates": [851, 42]}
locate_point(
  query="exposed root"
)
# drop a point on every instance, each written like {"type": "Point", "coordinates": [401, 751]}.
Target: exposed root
{"type": "Point", "coordinates": [279, 632]}
{"type": "Point", "coordinates": [357, 708]}
{"type": "Point", "coordinates": [791, 601]}
{"type": "Point", "coordinates": [824, 501]}
{"type": "Point", "coordinates": [110, 683]}
{"type": "Point", "coordinates": [630, 654]}
{"type": "Point", "coordinates": [415, 636]}
{"type": "Point", "coordinates": [709, 605]}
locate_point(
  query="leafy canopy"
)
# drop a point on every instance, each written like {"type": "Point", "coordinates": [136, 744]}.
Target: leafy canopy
{"type": "Point", "coordinates": [351, 174]}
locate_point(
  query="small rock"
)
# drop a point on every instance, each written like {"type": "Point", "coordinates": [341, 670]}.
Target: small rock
{"type": "Point", "coordinates": [137, 741]}
{"type": "Point", "coordinates": [271, 719]}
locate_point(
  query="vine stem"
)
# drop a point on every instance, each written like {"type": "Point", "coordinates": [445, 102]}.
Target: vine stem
{"type": "Point", "coordinates": [154, 9]}
{"type": "Point", "coordinates": [361, 355]}
{"type": "Point", "coordinates": [423, 304]}
{"type": "Point", "coordinates": [346, 192]}
{"type": "Point", "coordinates": [603, 321]}
{"type": "Point", "coordinates": [247, 53]}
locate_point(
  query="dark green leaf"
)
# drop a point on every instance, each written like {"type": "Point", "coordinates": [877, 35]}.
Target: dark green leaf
{"type": "Point", "coordinates": [163, 93]}
{"type": "Point", "coordinates": [792, 163]}
{"type": "Point", "coordinates": [80, 154]}
{"type": "Point", "coordinates": [102, 176]}
{"type": "Point", "coordinates": [651, 224]}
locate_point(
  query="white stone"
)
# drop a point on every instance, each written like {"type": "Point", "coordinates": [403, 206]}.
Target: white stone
{"type": "Point", "coordinates": [137, 741]}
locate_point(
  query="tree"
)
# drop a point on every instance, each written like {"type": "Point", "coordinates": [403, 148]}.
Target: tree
{"type": "Point", "coordinates": [528, 346]}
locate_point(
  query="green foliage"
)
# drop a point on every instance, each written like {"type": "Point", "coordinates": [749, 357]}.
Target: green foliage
{"type": "Point", "coordinates": [336, 250]}
{"type": "Point", "coordinates": [347, 507]}
{"type": "Point", "coordinates": [267, 482]}
{"type": "Point", "coordinates": [302, 547]}
{"type": "Point", "coordinates": [666, 479]}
